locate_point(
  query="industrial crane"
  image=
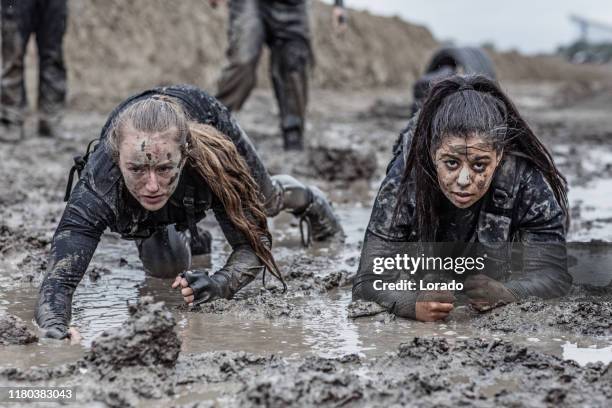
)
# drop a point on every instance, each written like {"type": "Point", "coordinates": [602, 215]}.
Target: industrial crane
{"type": "Point", "coordinates": [587, 25]}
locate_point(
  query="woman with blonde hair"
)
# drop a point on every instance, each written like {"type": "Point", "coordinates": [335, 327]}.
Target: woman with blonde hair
{"type": "Point", "coordinates": [164, 157]}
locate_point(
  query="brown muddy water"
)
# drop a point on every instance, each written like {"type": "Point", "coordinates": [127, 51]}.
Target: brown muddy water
{"type": "Point", "coordinates": [291, 337]}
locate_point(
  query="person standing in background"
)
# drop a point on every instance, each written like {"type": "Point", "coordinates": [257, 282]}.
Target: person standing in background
{"type": "Point", "coordinates": [47, 20]}
{"type": "Point", "coordinates": [282, 25]}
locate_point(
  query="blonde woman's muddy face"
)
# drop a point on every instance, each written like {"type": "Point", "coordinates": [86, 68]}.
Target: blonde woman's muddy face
{"type": "Point", "coordinates": [151, 165]}
{"type": "Point", "coordinates": [465, 168]}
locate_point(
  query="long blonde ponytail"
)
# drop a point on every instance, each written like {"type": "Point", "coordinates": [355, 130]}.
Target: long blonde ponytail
{"type": "Point", "coordinates": [218, 162]}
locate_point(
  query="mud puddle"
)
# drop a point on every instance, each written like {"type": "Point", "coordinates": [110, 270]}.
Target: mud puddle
{"type": "Point", "coordinates": [591, 202]}
{"type": "Point", "coordinates": [586, 355]}
{"type": "Point", "coordinates": [328, 333]}
{"type": "Point", "coordinates": [316, 321]}
{"type": "Point", "coordinates": [307, 321]}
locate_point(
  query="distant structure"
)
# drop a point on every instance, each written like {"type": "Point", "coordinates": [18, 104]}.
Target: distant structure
{"type": "Point", "coordinates": [594, 44]}
{"type": "Point", "coordinates": [588, 26]}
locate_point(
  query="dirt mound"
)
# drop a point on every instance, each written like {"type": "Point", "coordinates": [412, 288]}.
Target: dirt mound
{"type": "Point", "coordinates": [147, 338]}
{"type": "Point", "coordinates": [584, 316]}
{"type": "Point", "coordinates": [14, 331]}
{"type": "Point", "coordinates": [220, 366]}
{"type": "Point", "coordinates": [432, 372]}
{"type": "Point", "coordinates": [512, 66]}
{"type": "Point", "coordinates": [342, 163]}
{"type": "Point", "coordinates": [423, 372]}
{"type": "Point", "coordinates": [314, 385]}
{"type": "Point", "coordinates": [125, 365]}
{"type": "Point", "coordinates": [375, 51]}
{"type": "Point", "coordinates": [272, 304]}
{"type": "Point", "coordinates": [145, 43]}
{"type": "Point", "coordinates": [588, 317]}
{"type": "Point", "coordinates": [362, 308]}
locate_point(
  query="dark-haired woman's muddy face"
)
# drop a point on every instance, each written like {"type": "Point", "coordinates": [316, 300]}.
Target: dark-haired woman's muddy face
{"type": "Point", "coordinates": [465, 168]}
{"type": "Point", "coordinates": [151, 165]}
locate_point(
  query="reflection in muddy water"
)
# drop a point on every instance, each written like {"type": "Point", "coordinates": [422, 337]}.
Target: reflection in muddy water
{"type": "Point", "coordinates": [595, 205]}
{"type": "Point", "coordinates": [332, 334]}
{"type": "Point", "coordinates": [328, 334]}
{"type": "Point", "coordinates": [589, 263]}
{"type": "Point", "coordinates": [585, 355]}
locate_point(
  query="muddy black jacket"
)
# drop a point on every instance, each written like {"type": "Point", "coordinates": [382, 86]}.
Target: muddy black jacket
{"type": "Point", "coordinates": [520, 207]}
{"type": "Point", "coordinates": [100, 200]}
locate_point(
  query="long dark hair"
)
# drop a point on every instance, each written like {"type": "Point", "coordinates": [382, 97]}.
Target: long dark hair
{"type": "Point", "coordinates": [462, 106]}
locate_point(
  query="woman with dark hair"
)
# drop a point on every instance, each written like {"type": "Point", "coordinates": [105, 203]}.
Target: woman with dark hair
{"type": "Point", "coordinates": [164, 157]}
{"type": "Point", "coordinates": [471, 176]}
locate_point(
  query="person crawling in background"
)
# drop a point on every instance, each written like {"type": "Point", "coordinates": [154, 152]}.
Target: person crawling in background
{"type": "Point", "coordinates": [469, 173]}
{"type": "Point", "coordinates": [164, 157]}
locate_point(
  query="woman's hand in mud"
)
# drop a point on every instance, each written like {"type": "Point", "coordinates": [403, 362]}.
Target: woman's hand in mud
{"type": "Point", "coordinates": [434, 305]}
{"type": "Point", "coordinates": [186, 291]}
{"type": "Point", "coordinates": [486, 293]}
{"type": "Point", "coordinates": [432, 311]}
{"type": "Point", "coordinates": [61, 333]}
{"type": "Point", "coordinates": [197, 286]}
{"type": "Point", "coordinates": [75, 336]}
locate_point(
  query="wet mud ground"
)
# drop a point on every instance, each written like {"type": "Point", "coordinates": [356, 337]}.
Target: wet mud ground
{"type": "Point", "coordinates": [311, 345]}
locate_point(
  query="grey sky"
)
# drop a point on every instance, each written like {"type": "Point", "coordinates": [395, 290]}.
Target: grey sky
{"type": "Point", "coordinates": [528, 25]}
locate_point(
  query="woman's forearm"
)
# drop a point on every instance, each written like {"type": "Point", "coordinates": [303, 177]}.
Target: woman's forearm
{"type": "Point", "coordinates": [85, 218]}
{"type": "Point", "coordinates": [241, 268]}
{"type": "Point", "coordinates": [368, 284]}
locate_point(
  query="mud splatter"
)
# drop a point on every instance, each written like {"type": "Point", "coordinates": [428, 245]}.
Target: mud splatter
{"type": "Point", "coordinates": [172, 180]}
{"type": "Point", "coordinates": [95, 272]}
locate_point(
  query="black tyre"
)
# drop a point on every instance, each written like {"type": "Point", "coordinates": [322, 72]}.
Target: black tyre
{"type": "Point", "coordinates": [448, 61]}
{"type": "Point", "coordinates": [463, 60]}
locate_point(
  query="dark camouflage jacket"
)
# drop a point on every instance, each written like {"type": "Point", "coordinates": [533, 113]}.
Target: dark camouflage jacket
{"type": "Point", "coordinates": [100, 201]}
{"type": "Point", "coordinates": [519, 207]}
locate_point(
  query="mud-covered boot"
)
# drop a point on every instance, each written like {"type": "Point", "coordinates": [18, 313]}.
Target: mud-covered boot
{"type": "Point", "coordinates": [293, 140]}
{"type": "Point", "coordinates": [200, 244]}
{"type": "Point", "coordinates": [320, 220]}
